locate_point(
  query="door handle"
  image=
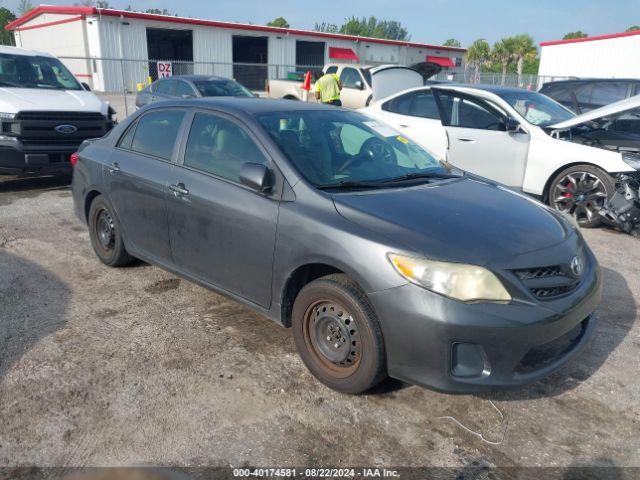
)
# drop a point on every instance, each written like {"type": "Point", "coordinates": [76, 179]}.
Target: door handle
{"type": "Point", "coordinates": [179, 190]}
{"type": "Point", "coordinates": [466, 139]}
{"type": "Point", "coordinates": [114, 168]}
{"type": "Point", "coordinates": [403, 125]}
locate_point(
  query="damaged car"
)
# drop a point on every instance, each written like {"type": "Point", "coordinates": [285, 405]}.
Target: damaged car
{"type": "Point", "coordinates": [522, 139]}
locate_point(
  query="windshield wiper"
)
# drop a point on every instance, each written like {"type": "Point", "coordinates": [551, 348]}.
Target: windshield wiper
{"type": "Point", "coordinates": [350, 184]}
{"type": "Point", "coordinates": [417, 175]}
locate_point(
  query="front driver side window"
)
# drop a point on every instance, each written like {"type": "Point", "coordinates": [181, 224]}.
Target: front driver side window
{"type": "Point", "coordinates": [219, 146]}
{"type": "Point", "coordinates": [467, 113]}
{"type": "Point", "coordinates": [349, 77]}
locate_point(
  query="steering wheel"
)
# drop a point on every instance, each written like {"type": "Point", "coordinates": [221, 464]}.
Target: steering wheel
{"type": "Point", "coordinates": [376, 149]}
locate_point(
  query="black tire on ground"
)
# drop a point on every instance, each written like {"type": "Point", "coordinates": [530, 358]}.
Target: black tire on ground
{"type": "Point", "coordinates": [106, 234]}
{"type": "Point", "coordinates": [581, 191]}
{"type": "Point", "coordinates": [338, 336]}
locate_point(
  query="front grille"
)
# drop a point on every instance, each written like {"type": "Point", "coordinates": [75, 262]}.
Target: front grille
{"type": "Point", "coordinates": [547, 353]}
{"type": "Point", "coordinates": [60, 116]}
{"type": "Point", "coordinates": [546, 283]}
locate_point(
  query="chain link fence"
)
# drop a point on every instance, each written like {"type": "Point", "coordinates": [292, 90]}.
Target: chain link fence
{"type": "Point", "coordinates": [117, 80]}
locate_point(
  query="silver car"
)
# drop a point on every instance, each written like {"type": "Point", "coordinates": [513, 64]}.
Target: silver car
{"type": "Point", "coordinates": [191, 86]}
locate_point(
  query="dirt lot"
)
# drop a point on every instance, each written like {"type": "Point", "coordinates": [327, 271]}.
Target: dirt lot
{"type": "Point", "coordinates": [129, 366]}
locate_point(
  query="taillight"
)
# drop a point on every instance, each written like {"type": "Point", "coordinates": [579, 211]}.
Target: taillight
{"type": "Point", "coordinates": [75, 156]}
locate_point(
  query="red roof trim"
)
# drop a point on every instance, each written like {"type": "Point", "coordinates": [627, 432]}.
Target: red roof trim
{"type": "Point", "coordinates": [49, 24]}
{"type": "Point", "coordinates": [343, 54]}
{"type": "Point", "coordinates": [591, 39]}
{"type": "Point", "coordinates": [211, 23]}
{"type": "Point", "coordinates": [445, 62]}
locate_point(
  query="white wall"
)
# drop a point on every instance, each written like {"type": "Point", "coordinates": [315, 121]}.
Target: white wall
{"type": "Point", "coordinates": [607, 58]}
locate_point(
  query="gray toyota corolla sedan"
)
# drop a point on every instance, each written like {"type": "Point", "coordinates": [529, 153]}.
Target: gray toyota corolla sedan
{"type": "Point", "coordinates": [381, 258]}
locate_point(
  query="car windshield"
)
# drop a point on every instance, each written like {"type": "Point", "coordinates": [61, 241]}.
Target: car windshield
{"type": "Point", "coordinates": [27, 71]}
{"type": "Point", "coordinates": [342, 148]}
{"type": "Point", "coordinates": [221, 88]}
{"type": "Point", "coordinates": [536, 108]}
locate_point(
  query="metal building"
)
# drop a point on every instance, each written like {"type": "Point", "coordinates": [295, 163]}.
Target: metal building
{"type": "Point", "coordinates": [615, 55]}
{"type": "Point", "coordinates": [116, 49]}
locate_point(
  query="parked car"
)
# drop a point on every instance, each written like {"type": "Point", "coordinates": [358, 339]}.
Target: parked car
{"type": "Point", "coordinates": [355, 79]}
{"type": "Point", "coordinates": [190, 86]}
{"type": "Point", "coordinates": [45, 113]}
{"type": "Point", "coordinates": [584, 95]}
{"type": "Point", "coordinates": [382, 259]}
{"type": "Point", "coordinates": [522, 139]}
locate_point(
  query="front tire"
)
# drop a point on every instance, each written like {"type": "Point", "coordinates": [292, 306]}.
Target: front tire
{"type": "Point", "coordinates": [106, 234]}
{"type": "Point", "coordinates": [338, 336]}
{"type": "Point", "coordinates": [581, 191]}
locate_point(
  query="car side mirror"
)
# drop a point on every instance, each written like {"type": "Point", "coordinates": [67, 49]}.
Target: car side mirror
{"type": "Point", "coordinates": [86, 86]}
{"type": "Point", "coordinates": [359, 85]}
{"type": "Point", "coordinates": [256, 176]}
{"type": "Point", "coordinates": [513, 126]}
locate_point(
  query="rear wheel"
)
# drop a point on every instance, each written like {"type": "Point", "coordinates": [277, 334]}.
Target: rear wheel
{"type": "Point", "coordinates": [581, 191]}
{"type": "Point", "coordinates": [106, 234]}
{"type": "Point", "coordinates": [338, 336]}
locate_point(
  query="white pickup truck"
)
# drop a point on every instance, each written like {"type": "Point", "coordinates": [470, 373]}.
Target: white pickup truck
{"type": "Point", "coordinates": [45, 113]}
{"type": "Point", "coordinates": [355, 79]}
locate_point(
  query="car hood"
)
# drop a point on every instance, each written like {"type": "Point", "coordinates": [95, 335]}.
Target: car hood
{"type": "Point", "coordinates": [469, 220]}
{"type": "Point", "coordinates": [606, 111]}
{"type": "Point", "coordinates": [14, 100]}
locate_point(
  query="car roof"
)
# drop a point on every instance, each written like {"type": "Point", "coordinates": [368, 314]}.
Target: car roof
{"type": "Point", "coordinates": [590, 80]}
{"type": "Point", "coordinates": [244, 105]}
{"type": "Point", "coordinates": [23, 51]}
{"type": "Point", "coordinates": [193, 78]}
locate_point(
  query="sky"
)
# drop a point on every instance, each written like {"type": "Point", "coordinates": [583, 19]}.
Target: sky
{"type": "Point", "coordinates": [428, 21]}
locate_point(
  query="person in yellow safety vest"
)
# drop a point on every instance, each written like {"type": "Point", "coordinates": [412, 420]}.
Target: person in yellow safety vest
{"type": "Point", "coordinates": [328, 89]}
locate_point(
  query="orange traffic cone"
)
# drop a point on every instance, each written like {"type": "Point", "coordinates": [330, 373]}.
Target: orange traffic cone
{"type": "Point", "coordinates": [306, 86]}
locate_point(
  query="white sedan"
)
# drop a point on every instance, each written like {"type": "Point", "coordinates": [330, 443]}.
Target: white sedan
{"type": "Point", "coordinates": [520, 138]}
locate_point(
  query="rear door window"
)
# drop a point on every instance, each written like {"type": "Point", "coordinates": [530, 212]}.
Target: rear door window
{"type": "Point", "coordinates": [609, 92]}
{"type": "Point", "coordinates": [332, 69]}
{"type": "Point", "coordinates": [156, 133]}
{"type": "Point", "coordinates": [400, 104]}
{"type": "Point", "coordinates": [424, 105]}
{"type": "Point", "coordinates": [460, 111]}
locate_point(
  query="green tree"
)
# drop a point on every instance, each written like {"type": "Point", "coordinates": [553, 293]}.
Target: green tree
{"type": "Point", "coordinates": [451, 42]}
{"type": "Point", "coordinates": [24, 6]}
{"type": "Point", "coordinates": [157, 11]}
{"type": "Point", "coordinates": [478, 54]}
{"type": "Point", "coordinates": [502, 54]}
{"type": "Point", "coordinates": [524, 48]}
{"type": "Point", "coordinates": [633, 28]}
{"type": "Point", "coordinates": [326, 27]}
{"type": "Point", "coordinates": [367, 27]}
{"type": "Point", "coordinates": [280, 22]}
{"type": "Point", "coordinates": [6, 16]}
{"type": "Point", "coordinates": [576, 34]}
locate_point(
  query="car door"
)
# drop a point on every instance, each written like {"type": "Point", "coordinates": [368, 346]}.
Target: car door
{"type": "Point", "coordinates": [353, 94]}
{"type": "Point", "coordinates": [478, 140]}
{"type": "Point", "coordinates": [136, 178]}
{"type": "Point", "coordinates": [416, 114]}
{"type": "Point", "coordinates": [221, 231]}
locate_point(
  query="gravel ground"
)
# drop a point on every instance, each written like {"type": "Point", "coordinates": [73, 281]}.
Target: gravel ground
{"type": "Point", "coordinates": [133, 366]}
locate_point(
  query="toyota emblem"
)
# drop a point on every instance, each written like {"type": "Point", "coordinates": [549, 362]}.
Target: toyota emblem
{"type": "Point", "coordinates": [66, 129]}
{"type": "Point", "coordinates": [577, 265]}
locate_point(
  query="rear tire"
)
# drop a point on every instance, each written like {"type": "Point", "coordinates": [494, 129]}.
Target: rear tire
{"type": "Point", "coordinates": [106, 234]}
{"type": "Point", "coordinates": [581, 191]}
{"type": "Point", "coordinates": [338, 336]}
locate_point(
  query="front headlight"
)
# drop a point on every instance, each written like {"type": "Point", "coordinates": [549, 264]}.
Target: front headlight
{"type": "Point", "coordinates": [454, 280]}
{"type": "Point", "coordinates": [631, 159]}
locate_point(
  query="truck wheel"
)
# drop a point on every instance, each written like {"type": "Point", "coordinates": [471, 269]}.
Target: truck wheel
{"type": "Point", "coordinates": [106, 234]}
{"type": "Point", "coordinates": [581, 191]}
{"type": "Point", "coordinates": [338, 335]}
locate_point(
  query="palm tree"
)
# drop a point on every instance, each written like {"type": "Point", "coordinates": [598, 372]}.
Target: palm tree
{"type": "Point", "coordinates": [524, 48]}
{"type": "Point", "coordinates": [503, 54]}
{"type": "Point", "coordinates": [477, 55]}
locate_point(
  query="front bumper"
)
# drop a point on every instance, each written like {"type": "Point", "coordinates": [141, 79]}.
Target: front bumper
{"type": "Point", "coordinates": [519, 342]}
{"type": "Point", "coordinates": [18, 159]}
